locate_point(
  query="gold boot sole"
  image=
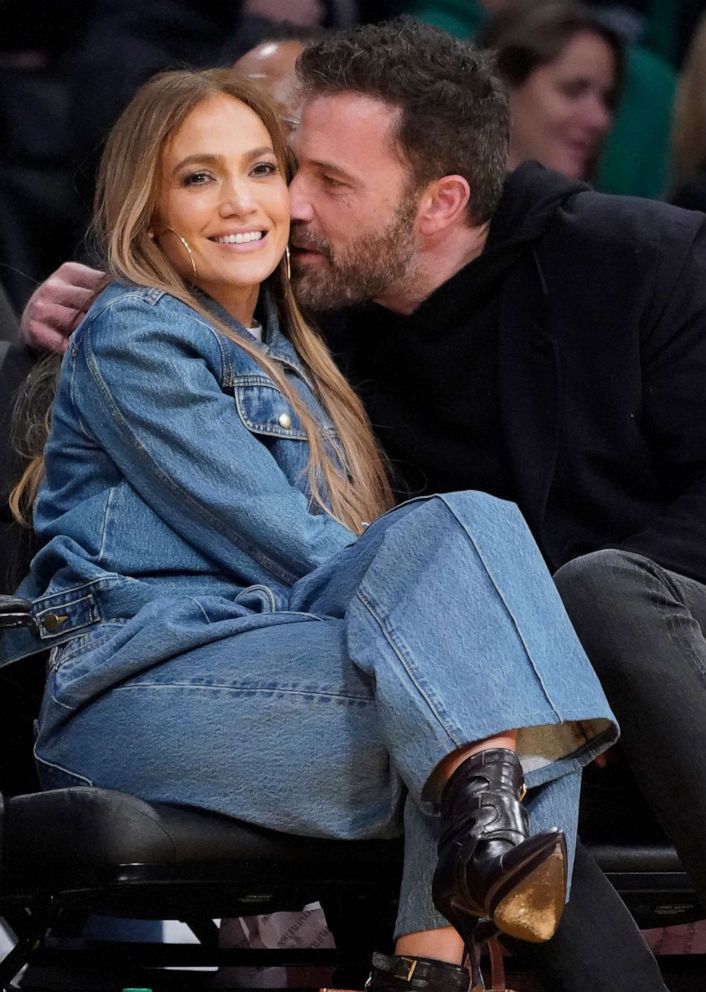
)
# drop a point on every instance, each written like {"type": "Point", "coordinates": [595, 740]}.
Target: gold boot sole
{"type": "Point", "coordinates": [532, 910]}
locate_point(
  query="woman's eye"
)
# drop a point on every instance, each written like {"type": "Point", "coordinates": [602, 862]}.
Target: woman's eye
{"type": "Point", "coordinates": [265, 169]}
{"type": "Point", "coordinates": [574, 89]}
{"type": "Point", "coordinates": [196, 179]}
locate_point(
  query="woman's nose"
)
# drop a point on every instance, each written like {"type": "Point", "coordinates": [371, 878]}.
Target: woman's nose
{"type": "Point", "coordinates": [236, 198]}
{"type": "Point", "coordinates": [598, 114]}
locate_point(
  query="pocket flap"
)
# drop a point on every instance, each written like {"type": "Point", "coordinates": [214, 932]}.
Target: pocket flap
{"type": "Point", "coordinates": [264, 410]}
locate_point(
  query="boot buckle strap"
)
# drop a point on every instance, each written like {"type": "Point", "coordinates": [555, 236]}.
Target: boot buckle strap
{"type": "Point", "coordinates": [411, 970]}
{"type": "Point", "coordinates": [398, 965]}
{"type": "Point", "coordinates": [403, 968]}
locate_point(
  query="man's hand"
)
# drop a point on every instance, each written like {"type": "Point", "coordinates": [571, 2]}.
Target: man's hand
{"type": "Point", "coordinates": [56, 307]}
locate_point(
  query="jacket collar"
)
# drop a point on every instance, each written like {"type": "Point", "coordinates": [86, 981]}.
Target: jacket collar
{"type": "Point", "coordinates": [274, 342]}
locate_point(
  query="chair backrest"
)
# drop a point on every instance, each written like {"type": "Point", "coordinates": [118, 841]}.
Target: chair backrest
{"type": "Point", "coordinates": [21, 686]}
{"type": "Point", "coordinates": [9, 325]}
{"type": "Point", "coordinates": [16, 544]}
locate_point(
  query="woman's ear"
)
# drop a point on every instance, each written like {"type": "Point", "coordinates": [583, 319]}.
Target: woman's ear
{"type": "Point", "coordinates": [443, 204]}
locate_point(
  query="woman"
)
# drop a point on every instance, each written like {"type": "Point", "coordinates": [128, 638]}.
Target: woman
{"type": "Point", "coordinates": [222, 613]}
{"type": "Point", "coordinates": [563, 70]}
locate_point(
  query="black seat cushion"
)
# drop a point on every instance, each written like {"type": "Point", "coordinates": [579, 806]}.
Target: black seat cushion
{"type": "Point", "coordinates": [618, 826]}
{"type": "Point", "coordinates": [79, 839]}
{"type": "Point", "coordinates": [108, 849]}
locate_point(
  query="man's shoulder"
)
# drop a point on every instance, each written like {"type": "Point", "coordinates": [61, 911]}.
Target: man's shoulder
{"type": "Point", "coordinates": [629, 220]}
{"type": "Point", "coordinates": [539, 205]}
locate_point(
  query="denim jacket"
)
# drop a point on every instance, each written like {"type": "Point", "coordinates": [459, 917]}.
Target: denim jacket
{"type": "Point", "coordinates": [175, 466]}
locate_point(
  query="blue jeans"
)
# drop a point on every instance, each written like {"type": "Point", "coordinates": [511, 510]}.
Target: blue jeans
{"type": "Point", "coordinates": [440, 626]}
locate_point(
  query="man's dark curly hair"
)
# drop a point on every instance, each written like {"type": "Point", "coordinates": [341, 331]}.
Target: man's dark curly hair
{"type": "Point", "coordinates": [454, 115]}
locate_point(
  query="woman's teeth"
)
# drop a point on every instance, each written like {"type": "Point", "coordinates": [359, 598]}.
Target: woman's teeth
{"type": "Point", "coordinates": [239, 239]}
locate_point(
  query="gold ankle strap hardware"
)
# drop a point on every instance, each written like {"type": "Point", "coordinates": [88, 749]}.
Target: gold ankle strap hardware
{"type": "Point", "coordinates": [395, 966]}
{"type": "Point", "coordinates": [399, 963]}
{"type": "Point", "coordinates": [417, 973]}
{"type": "Point", "coordinates": [523, 791]}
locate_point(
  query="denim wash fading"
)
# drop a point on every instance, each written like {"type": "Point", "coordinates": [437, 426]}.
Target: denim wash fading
{"type": "Point", "coordinates": [220, 642]}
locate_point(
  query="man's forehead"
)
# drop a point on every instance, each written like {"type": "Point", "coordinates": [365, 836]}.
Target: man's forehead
{"type": "Point", "coordinates": [363, 120]}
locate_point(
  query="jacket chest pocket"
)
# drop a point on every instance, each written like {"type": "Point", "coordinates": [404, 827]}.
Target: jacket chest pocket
{"type": "Point", "coordinates": [263, 409]}
{"type": "Point", "coordinates": [265, 412]}
{"type": "Point", "coordinates": [272, 420]}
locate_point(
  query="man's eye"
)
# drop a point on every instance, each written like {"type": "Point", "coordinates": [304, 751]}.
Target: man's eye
{"type": "Point", "coordinates": [265, 169]}
{"type": "Point", "coordinates": [196, 179]}
{"type": "Point", "coordinates": [332, 183]}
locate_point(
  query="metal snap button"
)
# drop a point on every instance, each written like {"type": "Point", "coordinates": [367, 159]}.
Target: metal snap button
{"type": "Point", "coordinates": [285, 420]}
{"type": "Point", "coordinates": [52, 621]}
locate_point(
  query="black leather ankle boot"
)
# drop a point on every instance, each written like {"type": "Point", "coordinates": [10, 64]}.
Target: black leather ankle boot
{"type": "Point", "coordinates": [399, 973]}
{"type": "Point", "coordinates": [488, 865]}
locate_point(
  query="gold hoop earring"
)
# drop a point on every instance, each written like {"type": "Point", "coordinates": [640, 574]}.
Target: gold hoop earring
{"type": "Point", "coordinates": [187, 248]}
{"type": "Point", "coordinates": [288, 264]}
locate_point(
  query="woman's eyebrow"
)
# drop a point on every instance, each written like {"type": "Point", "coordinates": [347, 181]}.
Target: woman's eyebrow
{"type": "Point", "coordinates": [209, 159]}
{"type": "Point", "coordinates": [202, 159]}
{"type": "Point", "coordinates": [257, 152]}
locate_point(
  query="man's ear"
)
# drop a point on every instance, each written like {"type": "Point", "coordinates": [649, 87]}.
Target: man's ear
{"type": "Point", "coordinates": [442, 204]}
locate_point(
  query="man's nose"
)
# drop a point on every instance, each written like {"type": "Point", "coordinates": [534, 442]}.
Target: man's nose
{"type": "Point", "coordinates": [299, 202]}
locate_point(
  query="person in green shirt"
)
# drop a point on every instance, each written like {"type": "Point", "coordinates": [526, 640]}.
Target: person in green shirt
{"type": "Point", "coordinates": [563, 71]}
{"type": "Point", "coordinates": [636, 156]}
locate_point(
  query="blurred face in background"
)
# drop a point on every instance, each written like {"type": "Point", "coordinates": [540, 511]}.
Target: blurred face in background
{"type": "Point", "coordinates": [271, 64]}
{"type": "Point", "coordinates": [563, 111]}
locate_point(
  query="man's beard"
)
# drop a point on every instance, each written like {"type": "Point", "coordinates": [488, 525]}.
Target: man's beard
{"type": "Point", "coordinates": [366, 268]}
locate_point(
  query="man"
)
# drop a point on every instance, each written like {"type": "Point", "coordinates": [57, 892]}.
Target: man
{"type": "Point", "coordinates": [500, 351]}
{"type": "Point", "coordinates": [547, 345]}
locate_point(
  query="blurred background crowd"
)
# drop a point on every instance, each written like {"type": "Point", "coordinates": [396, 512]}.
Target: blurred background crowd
{"type": "Point", "coordinates": [611, 92]}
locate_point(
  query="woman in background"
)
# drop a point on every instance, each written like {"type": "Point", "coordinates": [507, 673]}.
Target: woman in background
{"type": "Point", "coordinates": [689, 136]}
{"type": "Point", "coordinates": [563, 71]}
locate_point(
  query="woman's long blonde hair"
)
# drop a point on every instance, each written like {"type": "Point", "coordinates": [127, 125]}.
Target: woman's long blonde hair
{"type": "Point", "coordinates": [352, 480]}
{"type": "Point", "coordinates": [689, 131]}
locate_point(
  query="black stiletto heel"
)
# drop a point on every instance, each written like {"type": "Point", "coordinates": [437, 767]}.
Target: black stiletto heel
{"type": "Point", "coordinates": [489, 868]}
{"type": "Point", "coordinates": [469, 932]}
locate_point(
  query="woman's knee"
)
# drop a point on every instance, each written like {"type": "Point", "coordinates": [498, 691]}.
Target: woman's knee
{"type": "Point", "coordinates": [448, 515]}
{"type": "Point", "coordinates": [492, 521]}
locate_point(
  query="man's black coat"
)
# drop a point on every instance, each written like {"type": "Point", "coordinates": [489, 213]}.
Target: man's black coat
{"type": "Point", "coordinates": [598, 308]}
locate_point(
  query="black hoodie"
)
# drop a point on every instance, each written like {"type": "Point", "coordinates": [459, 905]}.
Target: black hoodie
{"type": "Point", "coordinates": [429, 380]}
{"type": "Point", "coordinates": [564, 369]}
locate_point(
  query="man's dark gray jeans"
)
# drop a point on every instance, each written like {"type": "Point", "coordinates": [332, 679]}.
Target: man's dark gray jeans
{"type": "Point", "coordinates": [643, 630]}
